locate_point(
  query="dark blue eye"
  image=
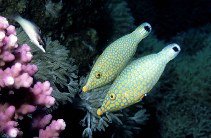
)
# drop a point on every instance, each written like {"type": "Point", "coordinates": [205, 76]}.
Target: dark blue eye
{"type": "Point", "coordinates": [98, 75]}
{"type": "Point", "coordinates": [112, 96]}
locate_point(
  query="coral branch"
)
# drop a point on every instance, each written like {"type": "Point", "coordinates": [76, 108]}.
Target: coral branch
{"type": "Point", "coordinates": [20, 94]}
{"type": "Point", "coordinates": [53, 130]}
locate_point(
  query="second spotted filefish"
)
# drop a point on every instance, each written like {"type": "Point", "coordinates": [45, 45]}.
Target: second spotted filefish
{"type": "Point", "coordinates": [137, 79]}
{"type": "Point", "coordinates": [115, 57]}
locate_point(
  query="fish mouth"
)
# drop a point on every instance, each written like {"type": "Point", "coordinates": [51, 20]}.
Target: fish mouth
{"type": "Point", "coordinates": [99, 112]}
{"type": "Point", "coordinates": [85, 89]}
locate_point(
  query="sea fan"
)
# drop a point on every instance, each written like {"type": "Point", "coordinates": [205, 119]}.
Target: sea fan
{"type": "Point", "coordinates": [182, 100]}
{"type": "Point", "coordinates": [56, 66]}
{"type": "Point", "coordinates": [122, 19]}
{"type": "Point", "coordinates": [126, 122]}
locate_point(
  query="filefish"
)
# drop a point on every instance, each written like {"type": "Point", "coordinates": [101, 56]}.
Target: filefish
{"type": "Point", "coordinates": [137, 79]}
{"type": "Point", "coordinates": [32, 31]}
{"type": "Point", "coordinates": [115, 57]}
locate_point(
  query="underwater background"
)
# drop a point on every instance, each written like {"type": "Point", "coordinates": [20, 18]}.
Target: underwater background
{"type": "Point", "coordinates": [76, 33]}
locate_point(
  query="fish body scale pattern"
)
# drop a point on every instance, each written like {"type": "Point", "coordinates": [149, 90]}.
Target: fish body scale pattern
{"type": "Point", "coordinates": [134, 82]}
{"type": "Point", "coordinates": [117, 56]}
{"type": "Point", "coordinates": [114, 59]}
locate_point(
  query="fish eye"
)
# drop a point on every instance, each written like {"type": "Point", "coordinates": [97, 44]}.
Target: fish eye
{"type": "Point", "coordinates": [112, 96]}
{"type": "Point", "coordinates": [98, 75]}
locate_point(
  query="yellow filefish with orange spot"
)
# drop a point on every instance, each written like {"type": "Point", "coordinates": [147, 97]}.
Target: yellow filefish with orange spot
{"type": "Point", "coordinates": [137, 79]}
{"type": "Point", "coordinates": [115, 57]}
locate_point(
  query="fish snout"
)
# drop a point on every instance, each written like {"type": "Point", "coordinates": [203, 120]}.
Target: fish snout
{"type": "Point", "coordinates": [99, 112]}
{"type": "Point", "coordinates": [85, 89]}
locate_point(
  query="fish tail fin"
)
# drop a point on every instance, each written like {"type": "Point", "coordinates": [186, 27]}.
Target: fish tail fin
{"type": "Point", "coordinates": [15, 16]}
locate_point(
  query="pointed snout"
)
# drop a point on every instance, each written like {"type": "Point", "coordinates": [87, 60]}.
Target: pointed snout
{"type": "Point", "coordinates": [85, 89]}
{"type": "Point", "coordinates": [99, 112]}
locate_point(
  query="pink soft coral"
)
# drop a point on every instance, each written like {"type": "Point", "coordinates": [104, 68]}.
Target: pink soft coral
{"type": "Point", "coordinates": [17, 76]}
